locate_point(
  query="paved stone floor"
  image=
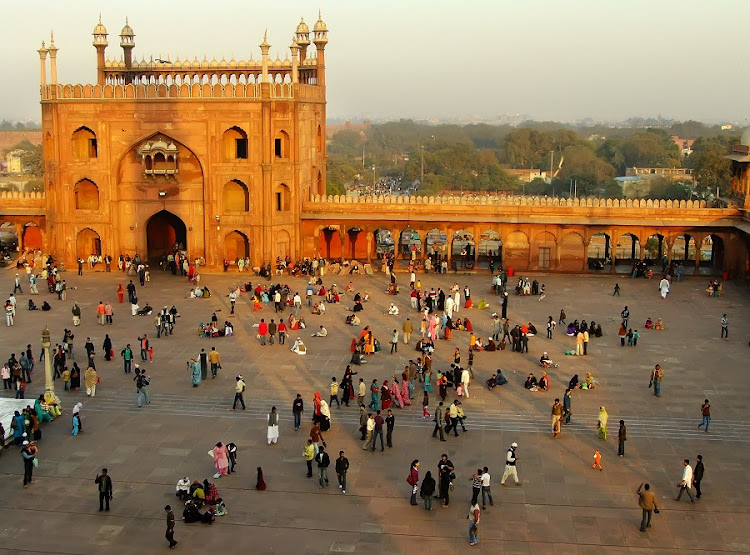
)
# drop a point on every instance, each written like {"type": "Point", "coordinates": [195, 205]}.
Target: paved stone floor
{"type": "Point", "coordinates": [563, 507]}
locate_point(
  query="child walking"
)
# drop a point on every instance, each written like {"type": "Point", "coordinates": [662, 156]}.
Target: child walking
{"type": "Point", "coordinates": [425, 404]}
{"type": "Point", "coordinates": [597, 460]}
{"type": "Point", "coordinates": [150, 353]}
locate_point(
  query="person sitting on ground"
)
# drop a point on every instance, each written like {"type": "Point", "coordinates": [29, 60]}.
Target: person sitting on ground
{"type": "Point", "coordinates": [543, 384]}
{"type": "Point", "coordinates": [46, 306]}
{"type": "Point", "coordinates": [182, 489]}
{"type": "Point", "coordinates": [459, 325]}
{"type": "Point", "coordinates": [357, 306]}
{"type": "Point", "coordinates": [491, 346]}
{"type": "Point", "coordinates": [532, 330]}
{"type": "Point", "coordinates": [322, 291]}
{"type": "Point", "coordinates": [530, 383]}
{"type": "Point", "coordinates": [590, 382]}
{"type": "Point", "coordinates": [146, 310]}
{"type": "Point", "coordinates": [544, 360]}
{"type": "Point", "coordinates": [467, 325]}
{"type": "Point", "coordinates": [322, 332]}
{"type": "Point", "coordinates": [482, 305]}
{"type": "Point", "coordinates": [573, 383]}
{"type": "Point", "coordinates": [392, 310]}
{"type": "Point", "coordinates": [571, 330]}
{"type": "Point", "coordinates": [299, 347]}
{"type": "Point", "coordinates": [353, 320]}
{"type": "Point", "coordinates": [366, 297]}
{"type": "Point", "coordinates": [649, 323]}
{"type": "Point", "coordinates": [658, 326]}
{"type": "Point", "coordinates": [32, 306]}
{"type": "Point", "coordinates": [349, 287]}
{"type": "Point", "coordinates": [478, 346]}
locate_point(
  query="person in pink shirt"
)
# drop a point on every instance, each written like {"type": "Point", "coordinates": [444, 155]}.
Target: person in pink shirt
{"type": "Point", "coordinates": [221, 460]}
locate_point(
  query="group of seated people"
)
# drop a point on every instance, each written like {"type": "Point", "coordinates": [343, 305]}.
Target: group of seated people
{"type": "Point", "coordinates": [200, 293]}
{"type": "Point", "coordinates": [496, 379]}
{"type": "Point", "coordinates": [296, 323]}
{"type": "Point", "coordinates": [45, 305]}
{"type": "Point", "coordinates": [650, 325]}
{"type": "Point", "coordinates": [353, 320]}
{"type": "Point", "coordinates": [319, 308]}
{"type": "Point", "coordinates": [588, 383]}
{"type": "Point", "coordinates": [594, 329]}
{"type": "Point", "coordinates": [425, 345]}
{"type": "Point", "coordinates": [532, 384]}
{"type": "Point", "coordinates": [212, 329]}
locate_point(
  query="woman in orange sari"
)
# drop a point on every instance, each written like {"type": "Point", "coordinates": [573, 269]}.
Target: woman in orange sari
{"type": "Point", "coordinates": [120, 292]}
{"type": "Point", "coordinates": [369, 343]}
{"type": "Point", "coordinates": [316, 408]}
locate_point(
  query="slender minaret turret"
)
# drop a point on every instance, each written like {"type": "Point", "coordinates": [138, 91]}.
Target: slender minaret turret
{"type": "Point", "coordinates": [52, 60]}
{"type": "Point", "coordinates": [100, 43]}
{"type": "Point", "coordinates": [127, 42]}
{"type": "Point", "coordinates": [264, 48]}
{"type": "Point", "coordinates": [303, 39]}
{"type": "Point", "coordinates": [295, 63]}
{"type": "Point", "coordinates": [43, 60]}
{"type": "Point", "coordinates": [320, 38]}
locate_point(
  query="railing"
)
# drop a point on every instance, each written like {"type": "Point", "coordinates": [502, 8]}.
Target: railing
{"type": "Point", "coordinates": [184, 91]}
{"type": "Point", "coordinates": [494, 200]}
{"type": "Point", "coordinates": [23, 196]}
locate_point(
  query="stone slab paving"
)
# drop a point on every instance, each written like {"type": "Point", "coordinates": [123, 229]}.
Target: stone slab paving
{"type": "Point", "coordinates": [563, 507]}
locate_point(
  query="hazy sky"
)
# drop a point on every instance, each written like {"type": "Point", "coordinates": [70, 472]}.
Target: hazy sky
{"type": "Point", "coordinates": [551, 59]}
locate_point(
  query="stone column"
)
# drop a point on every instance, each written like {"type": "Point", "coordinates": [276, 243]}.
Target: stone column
{"type": "Point", "coordinates": [369, 238]}
{"type": "Point", "coordinates": [613, 251]}
{"type": "Point", "coordinates": [698, 242]}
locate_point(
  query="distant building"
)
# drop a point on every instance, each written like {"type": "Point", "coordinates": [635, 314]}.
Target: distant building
{"type": "Point", "coordinates": [676, 174]}
{"type": "Point", "coordinates": [726, 127]}
{"type": "Point", "coordinates": [331, 130]}
{"type": "Point", "coordinates": [740, 169]}
{"type": "Point", "coordinates": [685, 145]}
{"type": "Point", "coordinates": [526, 174]}
{"type": "Point", "coordinates": [14, 161]}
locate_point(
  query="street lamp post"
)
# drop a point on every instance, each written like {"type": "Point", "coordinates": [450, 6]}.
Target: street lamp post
{"type": "Point", "coordinates": [373, 179]}
{"type": "Point", "coordinates": [421, 180]}
{"type": "Point", "coordinates": [49, 383]}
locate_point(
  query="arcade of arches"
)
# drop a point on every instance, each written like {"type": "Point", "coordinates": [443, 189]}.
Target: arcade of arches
{"type": "Point", "coordinates": [554, 248]}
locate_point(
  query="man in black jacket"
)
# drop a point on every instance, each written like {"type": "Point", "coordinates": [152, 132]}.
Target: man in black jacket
{"type": "Point", "coordinates": [342, 466]}
{"type": "Point", "coordinates": [105, 489]}
{"type": "Point", "coordinates": [390, 422]}
{"type": "Point", "coordinates": [324, 462]}
{"type": "Point", "coordinates": [698, 476]}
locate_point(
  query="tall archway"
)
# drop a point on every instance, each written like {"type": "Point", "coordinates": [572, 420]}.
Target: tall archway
{"type": "Point", "coordinates": [236, 245]}
{"type": "Point", "coordinates": [490, 248]}
{"type": "Point", "coordinates": [88, 242]}
{"type": "Point", "coordinates": [436, 245]}
{"type": "Point", "coordinates": [235, 197]}
{"type": "Point", "coordinates": [86, 195]}
{"type": "Point", "coordinates": [712, 252]}
{"type": "Point", "coordinates": [164, 230]}
{"type": "Point", "coordinates": [571, 252]}
{"type": "Point", "coordinates": [409, 243]}
{"type": "Point", "coordinates": [654, 248]}
{"type": "Point", "coordinates": [383, 241]}
{"type": "Point", "coordinates": [628, 249]}
{"type": "Point", "coordinates": [32, 237]}
{"type": "Point", "coordinates": [516, 250]}
{"type": "Point", "coordinates": [463, 242]}
{"type": "Point", "coordinates": [329, 243]}
{"type": "Point", "coordinates": [683, 248]}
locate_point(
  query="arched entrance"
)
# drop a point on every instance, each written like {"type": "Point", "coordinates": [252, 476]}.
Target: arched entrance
{"type": "Point", "coordinates": [236, 245]}
{"type": "Point", "coordinates": [88, 242]}
{"type": "Point", "coordinates": [32, 237]}
{"type": "Point", "coordinates": [163, 230]}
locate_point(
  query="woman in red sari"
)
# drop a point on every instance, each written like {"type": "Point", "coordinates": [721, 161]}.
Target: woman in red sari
{"type": "Point", "coordinates": [316, 408]}
{"type": "Point", "coordinates": [385, 396]}
{"type": "Point", "coordinates": [120, 292]}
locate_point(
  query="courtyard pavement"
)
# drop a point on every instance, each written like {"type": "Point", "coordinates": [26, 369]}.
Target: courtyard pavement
{"type": "Point", "coordinates": [563, 507]}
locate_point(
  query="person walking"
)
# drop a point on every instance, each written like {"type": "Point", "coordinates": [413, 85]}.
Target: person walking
{"type": "Point", "coordinates": [104, 483]}
{"type": "Point", "coordinates": [144, 347]}
{"type": "Point", "coordinates": [298, 407]}
{"type": "Point", "coordinates": [394, 342]}
{"type": "Point", "coordinates": [334, 393]}
{"type": "Point", "coordinates": [601, 424]}
{"type": "Point", "coordinates": [232, 300]}
{"type": "Point", "coordinates": [28, 455]}
{"type": "Point", "coordinates": [473, 524]}
{"type": "Point", "coordinates": [203, 358]}
{"type": "Point", "coordinates": [510, 465]}
{"type": "Point", "coordinates": [214, 358]}
{"type": "Point", "coordinates": [445, 474]}
{"type": "Point", "coordinates": [687, 481]}
{"type": "Point", "coordinates": [90, 379]}
{"type": "Point", "coordinates": [17, 285]}
{"type": "Point", "coordinates": [342, 467]}
{"type": "Point", "coordinates": [725, 327]}
{"type": "Point", "coordinates": [324, 462]}
{"type": "Point", "coordinates": [648, 504]}
{"type": "Point", "coordinates": [706, 412]}
{"type": "Point", "coordinates": [239, 394]}
{"type": "Point", "coordinates": [486, 491]}
{"type": "Point", "coordinates": [438, 418]}
{"type": "Point", "coordinates": [657, 374]}
{"type": "Point", "coordinates": [407, 329]}
{"type": "Point", "coordinates": [378, 432]}
{"type": "Point", "coordinates": [557, 411]}
{"type": "Point", "coordinates": [566, 406]}
{"type": "Point", "coordinates": [369, 431]}
{"type": "Point", "coordinates": [308, 454]}
{"type": "Point", "coordinates": [374, 393]}
{"type": "Point", "coordinates": [413, 480]}
{"type": "Point", "coordinates": [390, 422]}
{"type": "Point", "coordinates": [273, 426]}
{"type": "Point", "coordinates": [427, 490]}
{"type": "Point", "coordinates": [625, 315]}
{"type": "Point", "coordinates": [617, 290]}
{"type": "Point", "coordinates": [127, 358]}
{"type": "Point", "coordinates": [622, 436]}
{"type": "Point", "coordinates": [698, 475]}
{"type": "Point", "coordinates": [142, 382]}
{"type": "Point", "coordinates": [476, 485]}
{"type": "Point", "coordinates": [361, 390]}
{"type": "Point", "coordinates": [170, 527]}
